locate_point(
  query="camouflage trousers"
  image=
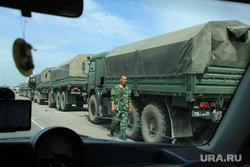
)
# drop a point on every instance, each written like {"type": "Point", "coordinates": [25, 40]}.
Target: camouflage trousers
{"type": "Point", "coordinates": [121, 116]}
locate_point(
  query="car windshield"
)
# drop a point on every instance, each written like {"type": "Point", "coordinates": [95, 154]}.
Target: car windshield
{"type": "Point", "coordinates": [139, 71]}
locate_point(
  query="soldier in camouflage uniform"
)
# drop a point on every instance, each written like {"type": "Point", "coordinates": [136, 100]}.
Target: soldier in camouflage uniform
{"type": "Point", "coordinates": [120, 106]}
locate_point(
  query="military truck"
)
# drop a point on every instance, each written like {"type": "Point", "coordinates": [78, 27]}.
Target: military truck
{"type": "Point", "coordinates": [68, 83]}
{"type": "Point", "coordinates": [181, 82]}
{"type": "Point", "coordinates": [23, 87]}
{"type": "Point", "coordinates": [27, 89]}
{"type": "Point", "coordinates": [42, 86]}
{"type": "Point", "coordinates": [32, 87]}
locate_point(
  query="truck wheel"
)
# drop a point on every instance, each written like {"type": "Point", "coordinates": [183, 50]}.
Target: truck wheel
{"type": "Point", "coordinates": [31, 97]}
{"type": "Point", "coordinates": [58, 101]}
{"type": "Point", "coordinates": [133, 130]}
{"type": "Point", "coordinates": [35, 97]}
{"type": "Point", "coordinates": [25, 94]}
{"type": "Point", "coordinates": [38, 98]}
{"type": "Point", "coordinates": [51, 105]}
{"type": "Point", "coordinates": [64, 106]}
{"type": "Point", "coordinates": [155, 123]}
{"type": "Point", "coordinates": [94, 110]}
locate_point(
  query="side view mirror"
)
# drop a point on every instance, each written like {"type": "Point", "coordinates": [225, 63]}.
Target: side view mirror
{"type": "Point", "coordinates": [83, 66]}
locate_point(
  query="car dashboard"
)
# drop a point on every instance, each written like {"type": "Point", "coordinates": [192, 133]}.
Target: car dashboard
{"type": "Point", "coordinates": [60, 146]}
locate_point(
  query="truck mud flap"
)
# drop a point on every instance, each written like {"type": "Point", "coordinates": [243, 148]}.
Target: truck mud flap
{"type": "Point", "coordinates": [98, 94]}
{"type": "Point", "coordinates": [180, 121]}
{"type": "Point", "coordinates": [181, 125]}
{"type": "Point", "coordinates": [102, 110]}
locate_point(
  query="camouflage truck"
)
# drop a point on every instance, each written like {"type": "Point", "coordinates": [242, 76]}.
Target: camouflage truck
{"type": "Point", "coordinates": [68, 83]}
{"type": "Point", "coordinates": [42, 86]}
{"type": "Point", "coordinates": [181, 81]}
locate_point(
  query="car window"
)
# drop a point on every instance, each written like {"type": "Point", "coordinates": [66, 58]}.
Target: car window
{"type": "Point", "coordinates": [158, 71]}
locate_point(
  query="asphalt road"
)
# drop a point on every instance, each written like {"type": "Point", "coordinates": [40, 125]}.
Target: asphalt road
{"type": "Point", "coordinates": [77, 120]}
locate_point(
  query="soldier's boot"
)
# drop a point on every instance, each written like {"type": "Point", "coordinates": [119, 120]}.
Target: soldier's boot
{"type": "Point", "coordinates": [123, 137]}
{"type": "Point", "coordinates": [112, 132]}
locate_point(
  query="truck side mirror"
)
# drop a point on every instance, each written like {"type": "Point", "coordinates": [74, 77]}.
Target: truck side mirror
{"type": "Point", "coordinates": [83, 66]}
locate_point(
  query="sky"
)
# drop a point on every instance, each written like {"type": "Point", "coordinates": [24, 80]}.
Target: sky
{"type": "Point", "coordinates": [104, 25]}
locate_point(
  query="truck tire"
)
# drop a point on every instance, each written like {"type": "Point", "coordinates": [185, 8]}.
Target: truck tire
{"type": "Point", "coordinates": [51, 105]}
{"type": "Point", "coordinates": [155, 123]}
{"type": "Point", "coordinates": [25, 94]}
{"type": "Point", "coordinates": [31, 97]}
{"type": "Point", "coordinates": [64, 106]}
{"type": "Point", "coordinates": [28, 94]}
{"type": "Point", "coordinates": [35, 97]}
{"type": "Point", "coordinates": [133, 130]}
{"type": "Point", "coordinates": [58, 101]}
{"type": "Point", "coordinates": [94, 111]}
{"type": "Point", "coordinates": [39, 100]}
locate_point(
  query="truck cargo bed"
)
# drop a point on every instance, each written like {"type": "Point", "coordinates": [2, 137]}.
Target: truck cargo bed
{"type": "Point", "coordinates": [220, 80]}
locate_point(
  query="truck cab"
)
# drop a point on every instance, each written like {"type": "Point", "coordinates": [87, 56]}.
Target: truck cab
{"type": "Point", "coordinates": [96, 72]}
{"type": "Point", "coordinates": [32, 86]}
{"type": "Point", "coordinates": [95, 87]}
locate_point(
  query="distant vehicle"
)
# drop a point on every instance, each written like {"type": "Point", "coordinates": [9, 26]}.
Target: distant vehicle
{"type": "Point", "coordinates": [182, 82]}
{"type": "Point", "coordinates": [42, 86]}
{"type": "Point", "coordinates": [68, 82]}
{"type": "Point", "coordinates": [27, 89]}
{"type": "Point", "coordinates": [23, 90]}
{"type": "Point", "coordinates": [32, 87]}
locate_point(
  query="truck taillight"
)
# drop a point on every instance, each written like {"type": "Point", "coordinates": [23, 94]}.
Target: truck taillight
{"type": "Point", "coordinates": [75, 88]}
{"type": "Point", "coordinates": [212, 104]}
{"type": "Point", "coordinates": [204, 104]}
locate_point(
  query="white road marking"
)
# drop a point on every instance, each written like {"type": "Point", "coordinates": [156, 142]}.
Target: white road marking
{"type": "Point", "coordinates": [37, 124]}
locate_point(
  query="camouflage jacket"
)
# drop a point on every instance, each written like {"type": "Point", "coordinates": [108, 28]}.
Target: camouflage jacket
{"type": "Point", "coordinates": [121, 103]}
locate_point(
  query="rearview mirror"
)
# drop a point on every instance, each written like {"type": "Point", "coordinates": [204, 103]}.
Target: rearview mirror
{"type": "Point", "coordinates": [67, 8]}
{"type": "Point", "coordinates": [15, 115]}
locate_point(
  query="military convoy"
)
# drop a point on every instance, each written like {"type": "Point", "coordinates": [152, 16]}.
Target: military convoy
{"type": "Point", "coordinates": [63, 85]}
{"type": "Point", "coordinates": [181, 82]}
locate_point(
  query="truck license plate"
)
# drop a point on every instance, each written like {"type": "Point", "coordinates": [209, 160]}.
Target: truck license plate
{"type": "Point", "coordinates": [75, 93]}
{"type": "Point", "coordinates": [200, 114]}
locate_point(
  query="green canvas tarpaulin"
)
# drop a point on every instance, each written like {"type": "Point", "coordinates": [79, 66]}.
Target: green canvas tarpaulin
{"type": "Point", "coordinates": [44, 76]}
{"type": "Point", "coordinates": [72, 67]}
{"type": "Point", "coordinates": [187, 51]}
